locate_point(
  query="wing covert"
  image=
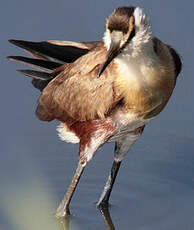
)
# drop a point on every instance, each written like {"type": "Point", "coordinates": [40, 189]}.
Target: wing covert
{"type": "Point", "coordinates": [81, 97]}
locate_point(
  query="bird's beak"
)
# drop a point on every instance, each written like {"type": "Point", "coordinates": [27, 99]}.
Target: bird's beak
{"type": "Point", "coordinates": [112, 52]}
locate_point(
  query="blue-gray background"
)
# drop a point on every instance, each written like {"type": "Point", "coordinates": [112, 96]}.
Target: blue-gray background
{"type": "Point", "coordinates": [155, 186]}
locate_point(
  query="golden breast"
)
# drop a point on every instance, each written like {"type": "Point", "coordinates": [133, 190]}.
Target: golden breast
{"type": "Point", "coordinates": [144, 87]}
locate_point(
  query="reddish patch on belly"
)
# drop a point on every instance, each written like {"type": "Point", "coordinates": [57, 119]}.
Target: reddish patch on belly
{"type": "Point", "coordinates": [92, 135]}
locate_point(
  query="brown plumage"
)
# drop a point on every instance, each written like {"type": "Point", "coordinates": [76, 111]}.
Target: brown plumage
{"type": "Point", "coordinates": [77, 93]}
{"type": "Point", "coordinates": [118, 20]}
{"type": "Point", "coordinates": [103, 91]}
{"type": "Point", "coordinates": [90, 97]}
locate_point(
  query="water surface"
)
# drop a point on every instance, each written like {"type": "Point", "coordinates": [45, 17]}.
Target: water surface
{"type": "Point", "coordinates": [155, 185]}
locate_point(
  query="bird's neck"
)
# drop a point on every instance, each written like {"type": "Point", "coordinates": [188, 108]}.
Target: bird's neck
{"type": "Point", "coordinates": [138, 72]}
{"type": "Point", "coordinates": [138, 54]}
{"type": "Point", "coordinates": [141, 44]}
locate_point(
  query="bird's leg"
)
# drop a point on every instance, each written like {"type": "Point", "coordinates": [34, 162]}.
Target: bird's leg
{"type": "Point", "coordinates": [63, 208]}
{"type": "Point", "coordinates": [104, 198]}
{"type": "Point", "coordinates": [122, 146]}
{"type": "Point", "coordinates": [92, 135]}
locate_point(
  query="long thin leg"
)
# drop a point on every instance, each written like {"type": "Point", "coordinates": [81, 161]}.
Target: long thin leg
{"type": "Point", "coordinates": [63, 208]}
{"type": "Point", "coordinates": [122, 146]}
{"type": "Point", "coordinates": [104, 198]}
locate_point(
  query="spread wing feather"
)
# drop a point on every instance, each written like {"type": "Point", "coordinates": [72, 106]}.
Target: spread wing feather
{"type": "Point", "coordinates": [46, 66]}
{"type": "Point", "coordinates": [56, 51]}
{"type": "Point", "coordinates": [50, 55]}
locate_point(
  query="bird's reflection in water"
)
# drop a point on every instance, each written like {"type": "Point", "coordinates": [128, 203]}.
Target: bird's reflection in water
{"type": "Point", "coordinates": [107, 218]}
{"type": "Point", "coordinates": [64, 223]}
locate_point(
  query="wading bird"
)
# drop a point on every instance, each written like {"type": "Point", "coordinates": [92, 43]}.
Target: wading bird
{"type": "Point", "coordinates": [105, 91]}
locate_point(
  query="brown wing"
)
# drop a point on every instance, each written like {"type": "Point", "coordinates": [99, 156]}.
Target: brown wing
{"type": "Point", "coordinates": [174, 62]}
{"type": "Point", "coordinates": [175, 56]}
{"type": "Point", "coordinates": [78, 93]}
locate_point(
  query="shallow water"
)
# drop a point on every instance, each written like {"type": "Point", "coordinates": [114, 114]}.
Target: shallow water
{"type": "Point", "coordinates": [154, 189]}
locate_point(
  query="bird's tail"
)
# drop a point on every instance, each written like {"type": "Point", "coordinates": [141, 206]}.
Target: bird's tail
{"type": "Point", "coordinates": [49, 55]}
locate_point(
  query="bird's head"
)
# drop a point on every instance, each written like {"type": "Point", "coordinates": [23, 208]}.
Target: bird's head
{"type": "Point", "coordinates": [125, 27]}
